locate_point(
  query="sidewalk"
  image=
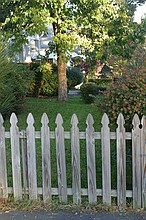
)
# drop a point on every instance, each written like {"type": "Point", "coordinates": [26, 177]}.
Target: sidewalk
{"type": "Point", "coordinates": [60, 215]}
{"type": "Point", "coordinates": [74, 92]}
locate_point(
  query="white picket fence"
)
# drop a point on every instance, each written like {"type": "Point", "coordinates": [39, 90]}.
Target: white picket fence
{"type": "Point", "coordinates": [27, 138]}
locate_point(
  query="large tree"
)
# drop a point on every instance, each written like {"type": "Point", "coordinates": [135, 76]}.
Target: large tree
{"type": "Point", "coordinates": [109, 32]}
{"type": "Point", "coordinates": [84, 23]}
{"type": "Point", "coordinates": [132, 5]}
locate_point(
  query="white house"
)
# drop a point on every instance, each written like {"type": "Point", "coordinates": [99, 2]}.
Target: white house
{"type": "Point", "coordinates": [36, 47]}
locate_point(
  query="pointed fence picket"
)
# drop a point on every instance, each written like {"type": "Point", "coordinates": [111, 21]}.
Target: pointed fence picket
{"type": "Point", "coordinates": [91, 165]}
{"type": "Point", "coordinates": [3, 168]}
{"type": "Point", "coordinates": [46, 165]}
{"type": "Point", "coordinates": [27, 181]}
{"type": "Point", "coordinates": [31, 158]}
{"type": "Point", "coordinates": [106, 162]}
{"type": "Point", "coordinates": [61, 164]}
{"type": "Point", "coordinates": [143, 159]}
{"type": "Point", "coordinates": [15, 150]}
{"type": "Point", "coordinates": [136, 157]}
{"type": "Point", "coordinates": [76, 173]}
{"type": "Point", "coordinates": [121, 162]}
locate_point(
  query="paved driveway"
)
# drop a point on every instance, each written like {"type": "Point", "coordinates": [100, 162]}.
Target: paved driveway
{"type": "Point", "coordinates": [43, 215]}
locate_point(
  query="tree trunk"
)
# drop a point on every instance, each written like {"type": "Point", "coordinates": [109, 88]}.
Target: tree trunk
{"type": "Point", "coordinates": [62, 80]}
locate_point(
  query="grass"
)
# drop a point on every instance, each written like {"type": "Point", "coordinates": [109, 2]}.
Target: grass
{"type": "Point", "coordinates": [37, 106]}
{"type": "Point", "coordinates": [55, 205]}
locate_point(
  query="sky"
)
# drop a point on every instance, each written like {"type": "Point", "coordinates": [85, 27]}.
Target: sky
{"type": "Point", "coordinates": [141, 10]}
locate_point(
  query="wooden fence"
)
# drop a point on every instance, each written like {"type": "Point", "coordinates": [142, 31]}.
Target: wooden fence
{"type": "Point", "coordinates": [25, 180]}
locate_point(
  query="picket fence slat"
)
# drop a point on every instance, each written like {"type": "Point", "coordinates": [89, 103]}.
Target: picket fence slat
{"type": "Point", "coordinates": [75, 147]}
{"type": "Point", "coordinates": [24, 160]}
{"type": "Point", "coordinates": [136, 158]}
{"type": "Point", "coordinates": [91, 165]}
{"type": "Point", "coordinates": [3, 168]}
{"type": "Point", "coordinates": [15, 151]}
{"type": "Point", "coordinates": [61, 162]}
{"type": "Point", "coordinates": [121, 162]}
{"type": "Point", "coordinates": [46, 165]}
{"type": "Point", "coordinates": [28, 164]}
{"type": "Point", "coordinates": [31, 158]}
{"type": "Point", "coordinates": [106, 163]}
{"type": "Point", "coordinates": [143, 157]}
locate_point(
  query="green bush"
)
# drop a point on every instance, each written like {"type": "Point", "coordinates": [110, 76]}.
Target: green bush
{"type": "Point", "coordinates": [14, 83]}
{"type": "Point", "coordinates": [45, 80]}
{"type": "Point", "coordinates": [26, 77]}
{"type": "Point", "coordinates": [74, 76]}
{"type": "Point", "coordinates": [103, 82]}
{"type": "Point", "coordinates": [89, 91]}
{"type": "Point", "coordinates": [12, 95]}
{"type": "Point", "coordinates": [49, 84]}
{"type": "Point", "coordinates": [127, 95]}
{"type": "Point", "coordinates": [36, 84]}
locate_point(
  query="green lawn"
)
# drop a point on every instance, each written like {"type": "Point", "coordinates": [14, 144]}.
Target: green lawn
{"type": "Point", "coordinates": [37, 106]}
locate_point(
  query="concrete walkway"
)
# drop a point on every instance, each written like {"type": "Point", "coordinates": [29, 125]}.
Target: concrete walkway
{"type": "Point", "coordinates": [60, 215]}
{"type": "Point", "coordinates": [74, 92]}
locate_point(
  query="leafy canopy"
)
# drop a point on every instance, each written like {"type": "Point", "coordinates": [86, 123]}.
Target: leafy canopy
{"type": "Point", "coordinates": [93, 25]}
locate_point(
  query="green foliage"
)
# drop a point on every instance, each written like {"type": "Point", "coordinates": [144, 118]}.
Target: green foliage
{"type": "Point", "coordinates": [132, 5]}
{"type": "Point", "coordinates": [125, 36]}
{"type": "Point", "coordinates": [127, 95]}
{"type": "Point", "coordinates": [74, 76]}
{"type": "Point", "coordinates": [103, 82]}
{"type": "Point", "coordinates": [45, 80]}
{"type": "Point", "coordinates": [89, 91]}
{"type": "Point", "coordinates": [99, 27]}
{"type": "Point", "coordinates": [49, 84]}
{"type": "Point", "coordinates": [36, 84]}
{"type": "Point", "coordinates": [113, 30]}
{"type": "Point", "coordinates": [111, 24]}
{"type": "Point", "coordinates": [14, 82]}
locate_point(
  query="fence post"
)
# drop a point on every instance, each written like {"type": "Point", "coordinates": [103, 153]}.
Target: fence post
{"type": "Point", "coordinates": [61, 162]}
{"type": "Point", "coordinates": [15, 150]}
{"type": "Point", "coordinates": [75, 147]}
{"type": "Point", "coordinates": [106, 162]}
{"type": "Point", "coordinates": [91, 166]}
{"type": "Point", "coordinates": [46, 165]}
{"type": "Point", "coordinates": [143, 156]}
{"type": "Point", "coordinates": [3, 168]}
{"type": "Point", "coordinates": [31, 156]}
{"type": "Point", "coordinates": [121, 162]}
{"type": "Point", "coordinates": [136, 162]}
{"type": "Point", "coordinates": [24, 160]}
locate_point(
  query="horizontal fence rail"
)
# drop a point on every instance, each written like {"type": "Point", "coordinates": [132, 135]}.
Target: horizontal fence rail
{"type": "Point", "coordinates": [24, 166]}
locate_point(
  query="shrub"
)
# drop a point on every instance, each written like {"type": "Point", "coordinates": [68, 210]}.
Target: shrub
{"type": "Point", "coordinates": [26, 76]}
{"type": "Point", "coordinates": [36, 84]}
{"type": "Point", "coordinates": [89, 91]}
{"type": "Point", "coordinates": [49, 83]}
{"type": "Point", "coordinates": [103, 82]}
{"type": "Point", "coordinates": [127, 95]}
{"type": "Point", "coordinates": [12, 95]}
{"type": "Point", "coordinates": [74, 76]}
{"type": "Point", "coordinates": [13, 83]}
{"type": "Point", "coordinates": [45, 81]}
